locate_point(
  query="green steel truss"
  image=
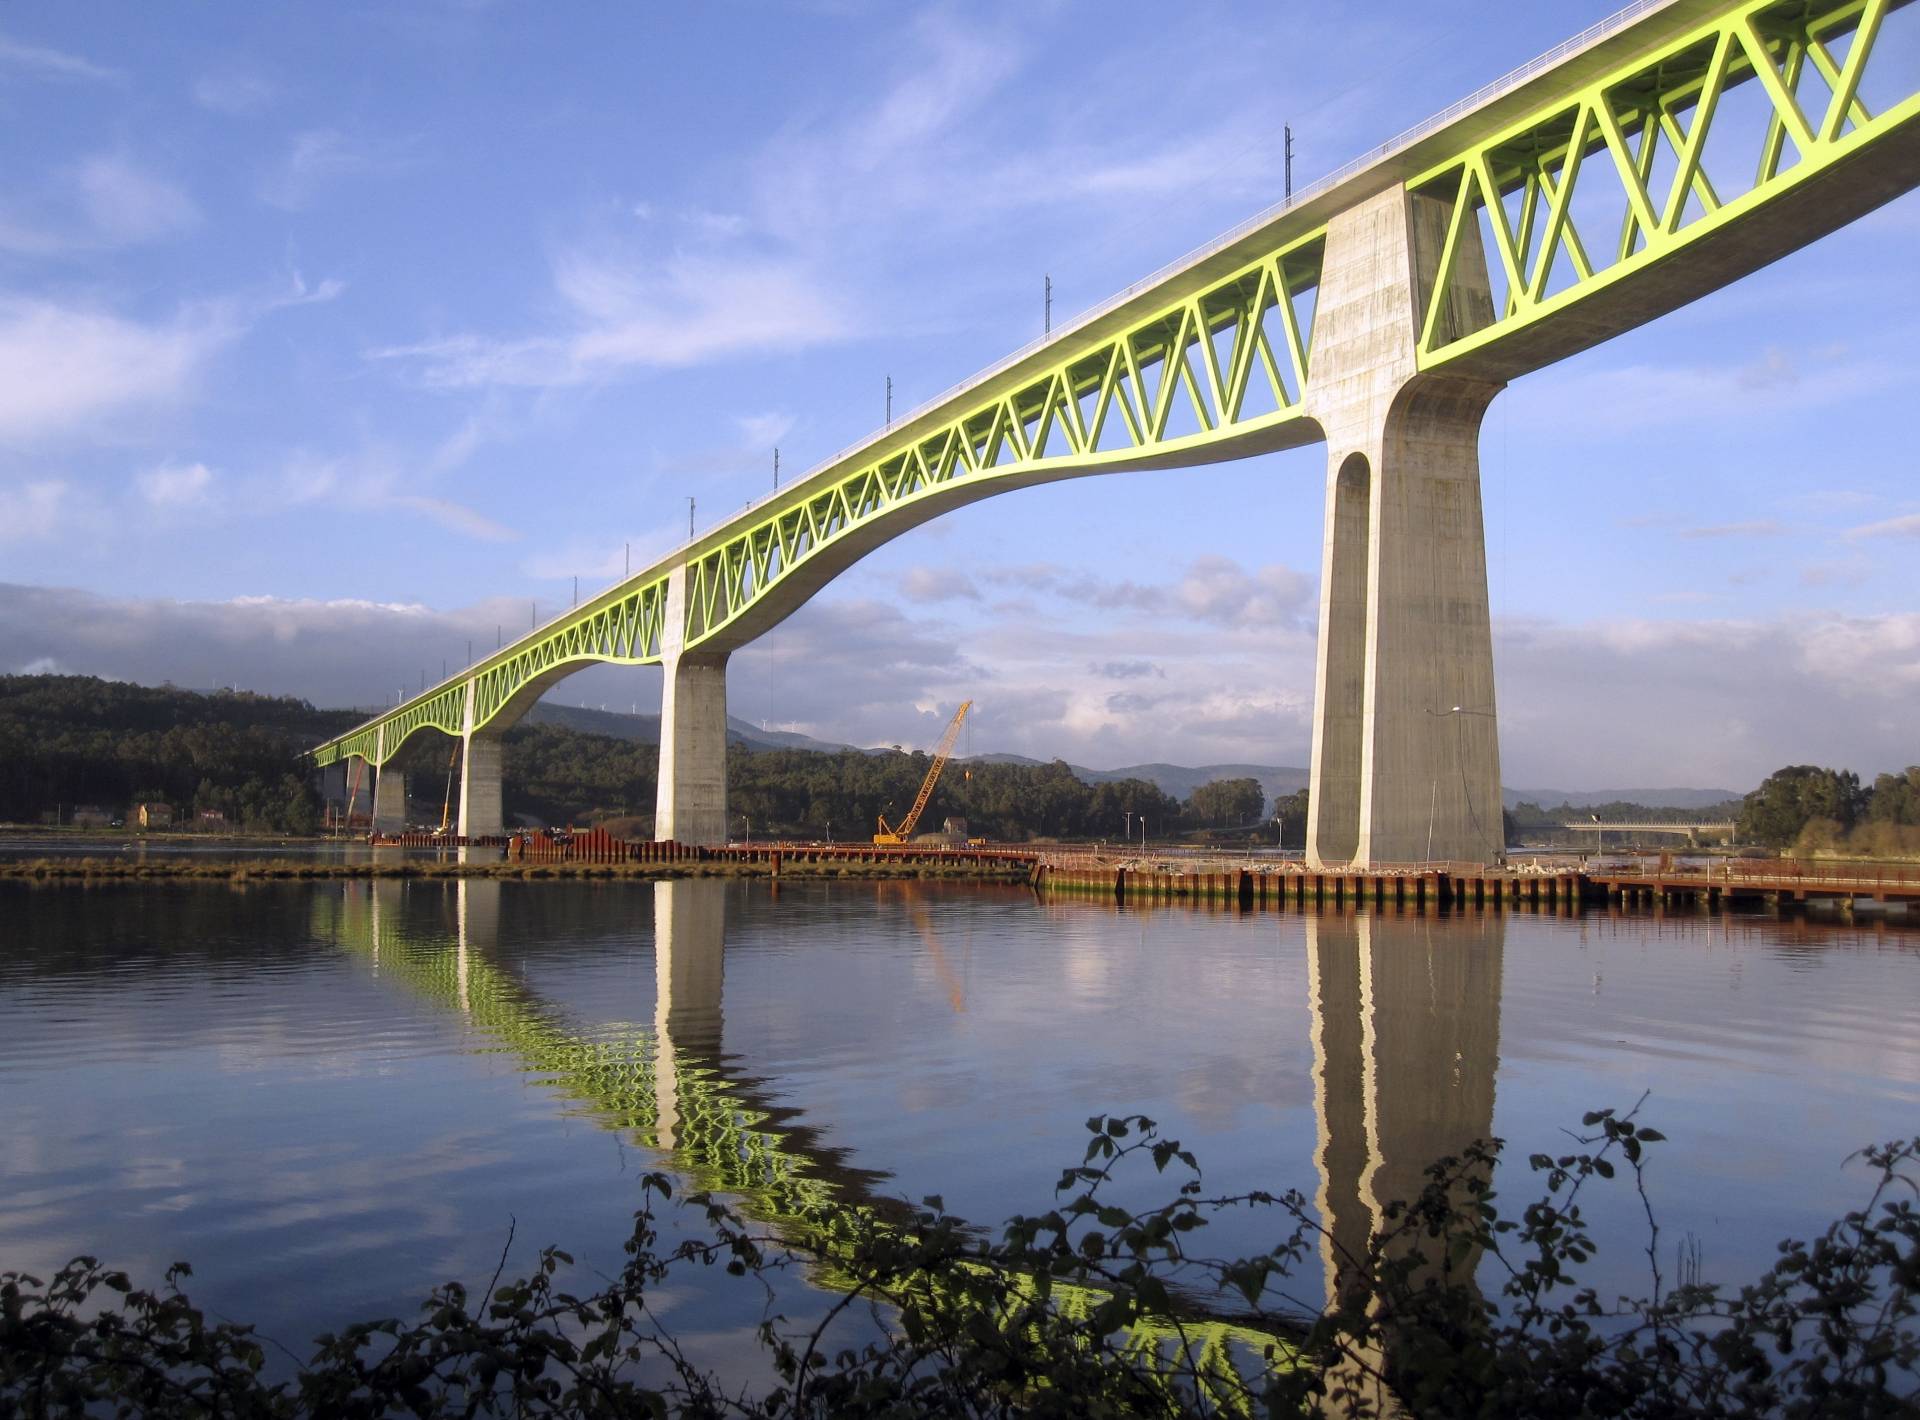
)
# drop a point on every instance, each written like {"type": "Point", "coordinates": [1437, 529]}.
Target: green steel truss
{"type": "Point", "coordinates": [1649, 159]}
{"type": "Point", "coordinates": [1229, 361]}
{"type": "Point", "coordinates": [1606, 178]}
{"type": "Point", "coordinates": [621, 627]}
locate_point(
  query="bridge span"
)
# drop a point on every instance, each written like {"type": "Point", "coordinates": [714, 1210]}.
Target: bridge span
{"type": "Point", "coordinates": [1654, 158]}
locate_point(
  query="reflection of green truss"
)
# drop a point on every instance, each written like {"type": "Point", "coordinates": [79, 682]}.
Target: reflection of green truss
{"type": "Point", "coordinates": [720, 1144]}
{"type": "Point", "coordinates": [1651, 149]}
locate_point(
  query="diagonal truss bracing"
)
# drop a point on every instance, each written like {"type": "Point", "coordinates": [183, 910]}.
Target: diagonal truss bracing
{"type": "Point", "coordinates": [1228, 361]}
{"type": "Point", "coordinates": [1678, 126]}
{"type": "Point", "coordinates": [1651, 158]}
{"type": "Point", "coordinates": [622, 627]}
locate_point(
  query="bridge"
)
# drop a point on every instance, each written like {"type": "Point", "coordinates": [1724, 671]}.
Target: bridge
{"type": "Point", "coordinates": [1690, 831]}
{"type": "Point", "coordinates": [1646, 162]}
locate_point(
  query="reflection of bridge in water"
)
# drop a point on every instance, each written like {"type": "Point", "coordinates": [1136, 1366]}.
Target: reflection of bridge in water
{"type": "Point", "coordinates": [1405, 1034]}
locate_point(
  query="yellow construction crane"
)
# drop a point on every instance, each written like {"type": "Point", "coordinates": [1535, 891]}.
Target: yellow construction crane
{"type": "Point", "coordinates": [890, 835]}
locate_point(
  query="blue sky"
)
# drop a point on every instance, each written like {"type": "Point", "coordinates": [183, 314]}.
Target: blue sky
{"type": "Point", "coordinates": [334, 336]}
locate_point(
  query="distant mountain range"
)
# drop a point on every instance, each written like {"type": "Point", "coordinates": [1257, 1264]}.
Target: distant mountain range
{"type": "Point", "coordinates": [1176, 779]}
{"type": "Point", "coordinates": [645, 729]}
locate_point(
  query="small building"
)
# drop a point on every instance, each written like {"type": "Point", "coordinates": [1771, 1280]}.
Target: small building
{"type": "Point", "coordinates": [213, 821]}
{"type": "Point", "coordinates": [91, 816]}
{"type": "Point", "coordinates": [153, 815]}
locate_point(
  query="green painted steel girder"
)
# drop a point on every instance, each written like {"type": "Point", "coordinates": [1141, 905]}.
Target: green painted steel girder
{"type": "Point", "coordinates": [1653, 150]}
{"type": "Point", "coordinates": [1627, 128]}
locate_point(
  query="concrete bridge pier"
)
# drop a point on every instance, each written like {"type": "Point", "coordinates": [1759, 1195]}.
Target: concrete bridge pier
{"type": "Point", "coordinates": [690, 805]}
{"type": "Point", "coordinates": [389, 801]}
{"type": "Point", "coordinates": [481, 759]}
{"type": "Point", "coordinates": [1406, 758]}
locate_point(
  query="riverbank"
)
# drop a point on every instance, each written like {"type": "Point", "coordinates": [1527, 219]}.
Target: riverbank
{"type": "Point", "coordinates": [236, 870]}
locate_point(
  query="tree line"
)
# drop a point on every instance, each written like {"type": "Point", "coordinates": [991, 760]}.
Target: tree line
{"type": "Point", "coordinates": [69, 742]}
{"type": "Point", "coordinates": [77, 741]}
{"type": "Point", "coordinates": [1807, 807]}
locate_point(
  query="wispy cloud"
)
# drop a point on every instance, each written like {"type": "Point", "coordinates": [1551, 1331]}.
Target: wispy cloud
{"type": "Point", "coordinates": [50, 63]}
{"type": "Point", "coordinates": [234, 93]}
{"type": "Point", "coordinates": [1906, 525]}
{"type": "Point", "coordinates": [319, 157]}
{"type": "Point", "coordinates": [29, 511]}
{"type": "Point", "coordinates": [633, 314]}
{"type": "Point", "coordinates": [1758, 527]}
{"type": "Point", "coordinates": [62, 367]}
{"type": "Point", "coordinates": [65, 368]}
{"type": "Point", "coordinates": [125, 203]}
{"type": "Point", "coordinates": [174, 485]}
{"type": "Point", "coordinates": [379, 477]}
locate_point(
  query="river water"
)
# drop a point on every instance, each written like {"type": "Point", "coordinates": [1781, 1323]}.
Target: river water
{"type": "Point", "coordinates": [330, 1097]}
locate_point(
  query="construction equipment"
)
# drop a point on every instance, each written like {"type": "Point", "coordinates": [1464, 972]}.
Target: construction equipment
{"type": "Point", "coordinates": [891, 835]}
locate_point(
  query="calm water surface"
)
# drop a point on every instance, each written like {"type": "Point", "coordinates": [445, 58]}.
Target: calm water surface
{"type": "Point", "coordinates": [330, 1097]}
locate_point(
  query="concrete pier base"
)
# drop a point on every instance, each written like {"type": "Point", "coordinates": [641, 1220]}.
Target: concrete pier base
{"type": "Point", "coordinates": [389, 800]}
{"type": "Point", "coordinates": [691, 806]}
{"type": "Point", "coordinates": [481, 762]}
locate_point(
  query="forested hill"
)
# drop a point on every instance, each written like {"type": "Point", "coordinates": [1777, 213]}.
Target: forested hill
{"type": "Point", "coordinates": [68, 741]}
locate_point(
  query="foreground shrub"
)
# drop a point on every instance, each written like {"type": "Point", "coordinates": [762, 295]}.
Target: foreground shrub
{"type": "Point", "coordinates": [1089, 1309]}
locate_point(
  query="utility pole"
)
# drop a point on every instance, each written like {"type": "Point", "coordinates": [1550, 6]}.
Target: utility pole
{"type": "Point", "coordinates": [576, 589]}
{"type": "Point", "coordinates": [533, 615]}
{"type": "Point", "coordinates": [1288, 130]}
{"type": "Point", "coordinates": [689, 520]}
{"type": "Point", "coordinates": [1049, 329]}
{"type": "Point", "coordinates": [889, 401]}
{"type": "Point", "coordinates": [776, 469]}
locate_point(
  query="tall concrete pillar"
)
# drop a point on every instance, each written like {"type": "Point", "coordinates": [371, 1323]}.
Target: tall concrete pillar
{"type": "Point", "coordinates": [1406, 759]}
{"type": "Point", "coordinates": [481, 758]}
{"type": "Point", "coordinates": [689, 953]}
{"type": "Point", "coordinates": [691, 803]}
{"type": "Point", "coordinates": [389, 792]}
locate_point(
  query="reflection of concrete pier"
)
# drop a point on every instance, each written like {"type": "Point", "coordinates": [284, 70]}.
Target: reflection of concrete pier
{"type": "Point", "coordinates": [1406, 1040]}
{"type": "Point", "coordinates": [689, 950]}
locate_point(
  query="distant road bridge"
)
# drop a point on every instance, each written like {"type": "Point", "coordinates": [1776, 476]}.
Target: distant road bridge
{"type": "Point", "coordinates": [1690, 831]}
{"type": "Point", "coordinates": [1654, 158]}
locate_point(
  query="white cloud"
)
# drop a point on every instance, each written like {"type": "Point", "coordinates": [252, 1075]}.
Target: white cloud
{"type": "Point", "coordinates": [51, 63]}
{"type": "Point", "coordinates": [634, 314]}
{"type": "Point", "coordinates": [175, 485]}
{"type": "Point", "coordinates": [126, 204]}
{"type": "Point", "coordinates": [1906, 525]}
{"type": "Point", "coordinates": [61, 366]}
{"type": "Point", "coordinates": [1607, 400]}
{"type": "Point", "coordinates": [31, 510]}
{"type": "Point", "coordinates": [1758, 527]}
{"type": "Point", "coordinates": [380, 477]}
{"type": "Point", "coordinates": [316, 158]}
{"type": "Point", "coordinates": [236, 94]}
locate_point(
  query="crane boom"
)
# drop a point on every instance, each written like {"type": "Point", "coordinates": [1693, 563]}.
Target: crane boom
{"type": "Point", "coordinates": [889, 834]}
